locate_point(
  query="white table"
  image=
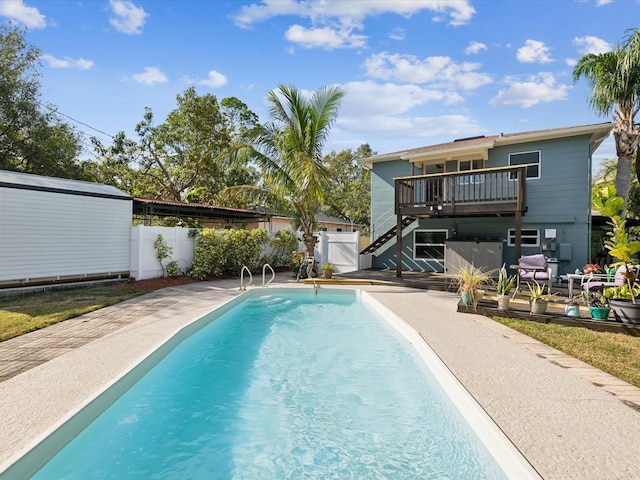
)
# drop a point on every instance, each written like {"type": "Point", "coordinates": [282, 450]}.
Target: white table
{"type": "Point", "coordinates": [573, 276]}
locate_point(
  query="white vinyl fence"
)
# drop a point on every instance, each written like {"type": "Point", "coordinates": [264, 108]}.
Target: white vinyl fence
{"type": "Point", "coordinates": [143, 261]}
{"type": "Point", "coordinates": [342, 249]}
{"type": "Point", "coordinates": [339, 248]}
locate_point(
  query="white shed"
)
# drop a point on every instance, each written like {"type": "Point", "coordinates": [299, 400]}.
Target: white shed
{"type": "Point", "coordinates": [58, 230]}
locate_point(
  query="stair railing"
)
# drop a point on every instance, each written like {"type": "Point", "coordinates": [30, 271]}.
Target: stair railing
{"type": "Point", "coordinates": [383, 219]}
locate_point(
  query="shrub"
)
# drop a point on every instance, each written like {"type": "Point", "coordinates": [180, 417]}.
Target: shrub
{"type": "Point", "coordinates": [173, 269]}
{"type": "Point", "coordinates": [221, 252]}
{"type": "Point", "coordinates": [282, 245]}
{"type": "Point", "coordinates": [163, 250]}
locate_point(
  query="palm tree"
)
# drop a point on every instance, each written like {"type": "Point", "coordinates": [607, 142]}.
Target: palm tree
{"type": "Point", "coordinates": [288, 150]}
{"type": "Point", "coordinates": [614, 78]}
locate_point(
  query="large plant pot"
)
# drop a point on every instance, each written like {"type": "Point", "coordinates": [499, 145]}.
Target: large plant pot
{"type": "Point", "coordinates": [599, 313]}
{"type": "Point", "coordinates": [503, 302]}
{"type": "Point", "coordinates": [539, 306]}
{"type": "Point", "coordinates": [572, 311]}
{"type": "Point", "coordinates": [467, 298]}
{"type": "Point", "coordinates": [626, 311]}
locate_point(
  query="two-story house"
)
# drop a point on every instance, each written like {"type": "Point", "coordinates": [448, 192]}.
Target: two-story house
{"type": "Point", "coordinates": [493, 197]}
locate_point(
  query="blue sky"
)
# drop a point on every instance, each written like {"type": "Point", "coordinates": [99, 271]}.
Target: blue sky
{"type": "Point", "coordinates": [415, 72]}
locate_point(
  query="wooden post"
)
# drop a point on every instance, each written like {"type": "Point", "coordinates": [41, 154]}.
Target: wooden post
{"type": "Point", "coordinates": [521, 206]}
{"type": "Point", "coordinates": [518, 239]}
{"type": "Point", "coordinates": [399, 244]}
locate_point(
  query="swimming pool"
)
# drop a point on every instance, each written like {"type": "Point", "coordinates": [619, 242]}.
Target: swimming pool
{"type": "Point", "coordinates": [322, 387]}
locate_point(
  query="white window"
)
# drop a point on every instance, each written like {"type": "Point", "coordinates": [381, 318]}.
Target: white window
{"type": "Point", "coordinates": [467, 165]}
{"type": "Point", "coordinates": [530, 237]}
{"type": "Point", "coordinates": [530, 159]}
{"type": "Point", "coordinates": [429, 244]}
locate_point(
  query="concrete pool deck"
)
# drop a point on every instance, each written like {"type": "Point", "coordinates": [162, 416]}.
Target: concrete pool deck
{"type": "Point", "coordinates": [570, 420]}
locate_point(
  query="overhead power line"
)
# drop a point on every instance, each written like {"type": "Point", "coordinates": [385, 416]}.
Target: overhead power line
{"type": "Point", "coordinates": [55, 110]}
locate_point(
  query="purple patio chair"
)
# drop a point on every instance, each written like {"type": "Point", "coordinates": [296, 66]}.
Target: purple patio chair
{"type": "Point", "coordinates": [533, 267]}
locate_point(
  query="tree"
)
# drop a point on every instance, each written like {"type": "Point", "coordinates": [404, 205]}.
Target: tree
{"type": "Point", "coordinates": [32, 138]}
{"type": "Point", "coordinates": [614, 78]}
{"type": "Point", "coordinates": [348, 195]}
{"type": "Point", "coordinates": [606, 176]}
{"type": "Point", "coordinates": [288, 151]}
{"type": "Point", "coordinates": [184, 157]}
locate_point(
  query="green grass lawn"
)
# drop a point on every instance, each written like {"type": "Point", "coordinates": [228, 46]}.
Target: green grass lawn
{"type": "Point", "coordinates": [19, 315]}
{"type": "Point", "coordinates": [615, 353]}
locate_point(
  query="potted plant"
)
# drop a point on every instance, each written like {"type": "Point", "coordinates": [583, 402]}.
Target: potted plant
{"type": "Point", "coordinates": [598, 303]}
{"type": "Point", "coordinates": [504, 286]}
{"type": "Point", "coordinates": [470, 280]}
{"type": "Point", "coordinates": [538, 300]}
{"type": "Point", "coordinates": [327, 270]}
{"type": "Point", "coordinates": [621, 302]}
{"type": "Point", "coordinates": [621, 246]}
{"type": "Point", "coordinates": [297, 259]}
{"type": "Point", "coordinates": [590, 268]}
{"type": "Point", "coordinates": [572, 309]}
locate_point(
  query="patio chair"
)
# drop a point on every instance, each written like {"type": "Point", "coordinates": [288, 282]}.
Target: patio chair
{"type": "Point", "coordinates": [598, 281]}
{"type": "Point", "coordinates": [533, 267]}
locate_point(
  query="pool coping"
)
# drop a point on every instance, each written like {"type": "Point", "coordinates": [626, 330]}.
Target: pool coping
{"type": "Point", "coordinates": [38, 400]}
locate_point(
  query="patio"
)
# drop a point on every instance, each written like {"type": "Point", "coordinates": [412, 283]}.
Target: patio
{"type": "Point", "coordinates": [570, 420]}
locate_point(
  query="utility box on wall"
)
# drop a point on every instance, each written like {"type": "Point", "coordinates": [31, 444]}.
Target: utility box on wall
{"type": "Point", "coordinates": [485, 254]}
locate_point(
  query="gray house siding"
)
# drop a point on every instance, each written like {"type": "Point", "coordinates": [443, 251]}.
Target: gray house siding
{"type": "Point", "coordinates": [383, 196]}
{"type": "Point", "coordinates": [559, 200]}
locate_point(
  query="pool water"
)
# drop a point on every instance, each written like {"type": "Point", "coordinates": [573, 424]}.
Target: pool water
{"type": "Point", "coordinates": [282, 386]}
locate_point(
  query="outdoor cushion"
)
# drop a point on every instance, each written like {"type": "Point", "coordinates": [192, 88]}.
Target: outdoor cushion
{"type": "Point", "coordinates": [537, 260]}
{"type": "Point", "coordinates": [596, 282]}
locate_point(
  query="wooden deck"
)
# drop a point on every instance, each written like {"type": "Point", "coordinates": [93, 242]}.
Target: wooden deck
{"type": "Point", "coordinates": [491, 191]}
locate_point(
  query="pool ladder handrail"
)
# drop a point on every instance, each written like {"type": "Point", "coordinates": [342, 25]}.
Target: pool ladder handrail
{"type": "Point", "coordinates": [242, 285]}
{"type": "Point", "coordinates": [264, 271]}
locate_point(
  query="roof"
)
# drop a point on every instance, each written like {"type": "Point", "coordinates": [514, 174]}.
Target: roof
{"type": "Point", "coordinates": [27, 181]}
{"type": "Point", "coordinates": [170, 208]}
{"type": "Point", "coordinates": [319, 217]}
{"type": "Point", "coordinates": [476, 148]}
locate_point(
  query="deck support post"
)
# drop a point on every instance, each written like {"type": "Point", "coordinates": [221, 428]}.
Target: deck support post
{"type": "Point", "coordinates": [518, 237]}
{"type": "Point", "coordinates": [399, 244]}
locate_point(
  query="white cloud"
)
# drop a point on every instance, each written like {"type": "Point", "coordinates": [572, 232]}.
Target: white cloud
{"type": "Point", "coordinates": [408, 129]}
{"type": "Point", "coordinates": [534, 52]}
{"type": "Point", "coordinates": [541, 88]}
{"type": "Point", "coordinates": [333, 23]}
{"type": "Point", "coordinates": [214, 80]}
{"type": "Point", "coordinates": [590, 44]}
{"type": "Point", "coordinates": [392, 112]}
{"type": "Point", "coordinates": [150, 76]}
{"type": "Point", "coordinates": [474, 48]}
{"type": "Point", "coordinates": [398, 34]}
{"type": "Point", "coordinates": [79, 64]}
{"type": "Point", "coordinates": [128, 18]}
{"type": "Point", "coordinates": [436, 71]}
{"type": "Point", "coordinates": [599, 3]}
{"type": "Point", "coordinates": [459, 11]}
{"type": "Point", "coordinates": [17, 10]}
{"type": "Point", "coordinates": [326, 37]}
{"type": "Point", "coordinates": [363, 99]}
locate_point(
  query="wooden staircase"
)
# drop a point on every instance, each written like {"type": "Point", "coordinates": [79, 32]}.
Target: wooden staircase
{"type": "Point", "coordinates": [388, 235]}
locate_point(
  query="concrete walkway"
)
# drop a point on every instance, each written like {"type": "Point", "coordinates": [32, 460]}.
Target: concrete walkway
{"type": "Point", "coordinates": [570, 420]}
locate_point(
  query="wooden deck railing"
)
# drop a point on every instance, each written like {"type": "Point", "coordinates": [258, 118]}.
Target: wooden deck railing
{"type": "Point", "coordinates": [492, 190]}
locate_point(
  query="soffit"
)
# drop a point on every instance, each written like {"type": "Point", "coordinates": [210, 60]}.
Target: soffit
{"type": "Point", "coordinates": [477, 148]}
